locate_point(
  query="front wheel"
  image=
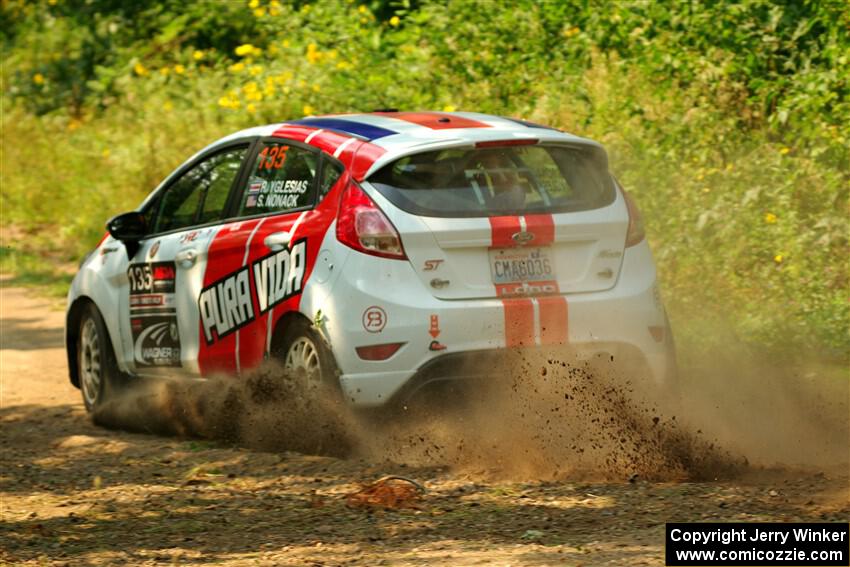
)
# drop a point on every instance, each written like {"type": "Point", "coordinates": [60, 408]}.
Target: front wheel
{"type": "Point", "coordinates": [98, 371]}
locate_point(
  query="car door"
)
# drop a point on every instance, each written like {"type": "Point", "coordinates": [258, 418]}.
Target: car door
{"type": "Point", "coordinates": [166, 273]}
{"type": "Point", "coordinates": [276, 210]}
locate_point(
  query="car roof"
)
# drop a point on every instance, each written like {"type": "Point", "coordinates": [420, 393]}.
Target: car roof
{"type": "Point", "coordinates": [397, 134]}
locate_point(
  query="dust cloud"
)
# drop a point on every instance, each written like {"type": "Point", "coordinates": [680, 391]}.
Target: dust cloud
{"type": "Point", "coordinates": [540, 416]}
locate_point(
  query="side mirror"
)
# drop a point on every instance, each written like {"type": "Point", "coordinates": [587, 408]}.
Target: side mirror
{"type": "Point", "coordinates": [128, 227]}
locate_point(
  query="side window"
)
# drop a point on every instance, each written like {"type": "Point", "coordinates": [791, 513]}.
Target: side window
{"type": "Point", "coordinates": [282, 179]}
{"type": "Point", "coordinates": [199, 196]}
{"type": "Point", "coordinates": [331, 172]}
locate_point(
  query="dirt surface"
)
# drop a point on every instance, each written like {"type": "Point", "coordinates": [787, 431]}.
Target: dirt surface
{"type": "Point", "coordinates": [77, 494]}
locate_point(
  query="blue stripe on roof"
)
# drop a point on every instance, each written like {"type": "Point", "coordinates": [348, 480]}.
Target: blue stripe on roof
{"type": "Point", "coordinates": [529, 124]}
{"type": "Point", "coordinates": [347, 126]}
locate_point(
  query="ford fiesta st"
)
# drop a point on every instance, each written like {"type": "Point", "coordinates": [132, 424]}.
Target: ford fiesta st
{"type": "Point", "coordinates": [373, 251]}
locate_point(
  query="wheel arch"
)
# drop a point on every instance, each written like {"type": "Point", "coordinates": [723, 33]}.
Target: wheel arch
{"type": "Point", "coordinates": [72, 334]}
{"type": "Point", "coordinates": [284, 324]}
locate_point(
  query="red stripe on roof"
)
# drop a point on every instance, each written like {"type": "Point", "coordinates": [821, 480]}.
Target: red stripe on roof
{"type": "Point", "coordinates": [435, 120]}
{"type": "Point", "coordinates": [293, 132]}
{"type": "Point", "coordinates": [367, 154]}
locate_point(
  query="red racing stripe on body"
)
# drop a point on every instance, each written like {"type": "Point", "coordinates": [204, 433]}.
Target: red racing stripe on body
{"type": "Point", "coordinates": [542, 227]}
{"type": "Point", "coordinates": [553, 320]}
{"type": "Point", "coordinates": [501, 230]}
{"type": "Point", "coordinates": [519, 322]}
{"type": "Point", "coordinates": [435, 120]}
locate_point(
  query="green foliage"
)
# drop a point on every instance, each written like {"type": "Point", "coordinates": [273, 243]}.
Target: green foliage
{"type": "Point", "coordinates": [729, 122]}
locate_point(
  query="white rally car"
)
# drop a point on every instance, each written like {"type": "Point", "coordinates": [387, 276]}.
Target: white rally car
{"type": "Point", "coordinates": [383, 252]}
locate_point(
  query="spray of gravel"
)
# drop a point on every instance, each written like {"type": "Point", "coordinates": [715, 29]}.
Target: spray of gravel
{"type": "Point", "coordinates": [538, 416]}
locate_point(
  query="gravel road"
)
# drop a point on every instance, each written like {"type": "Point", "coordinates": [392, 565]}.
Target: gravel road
{"type": "Point", "coordinates": [74, 493]}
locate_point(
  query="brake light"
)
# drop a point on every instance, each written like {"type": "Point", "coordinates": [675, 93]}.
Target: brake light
{"type": "Point", "coordinates": [635, 232]}
{"type": "Point", "coordinates": [361, 225]}
{"type": "Point", "coordinates": [501, 143]}
{"type": "Point", "coordinates": [378, 352]}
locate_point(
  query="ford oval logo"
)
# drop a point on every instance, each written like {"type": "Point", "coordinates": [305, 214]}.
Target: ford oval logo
{"type": "Point", "coordinates": [522, 237]}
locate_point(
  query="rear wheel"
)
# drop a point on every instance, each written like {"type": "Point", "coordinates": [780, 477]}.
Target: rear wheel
{"type": "Point", "coordinates": [303, 352]}
{"type": "Point", "coordinates": [98, 372]}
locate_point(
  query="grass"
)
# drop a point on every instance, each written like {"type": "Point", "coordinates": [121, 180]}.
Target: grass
{"type": "Point", "coordinates": [739, 165]}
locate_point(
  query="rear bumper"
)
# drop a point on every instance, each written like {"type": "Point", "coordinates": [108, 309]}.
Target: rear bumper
{"type": "Point", "coordinates": [475, 332]}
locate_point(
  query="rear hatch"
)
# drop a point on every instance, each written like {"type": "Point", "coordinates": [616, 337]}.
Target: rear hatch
{"type": "Point", "coordinates": [502, 219]}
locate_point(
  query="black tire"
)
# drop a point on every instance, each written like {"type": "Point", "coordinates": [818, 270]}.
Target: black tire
{"type": "Point", "coordinates": [290, 350]}
{"type": "Point", "coordinates": [99, 375]}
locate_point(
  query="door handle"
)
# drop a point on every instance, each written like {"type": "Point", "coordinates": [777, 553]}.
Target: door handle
{"type": "Point", "coordinates": [277, 241]}
{"type": "Point", "coordinates": [187, 257]}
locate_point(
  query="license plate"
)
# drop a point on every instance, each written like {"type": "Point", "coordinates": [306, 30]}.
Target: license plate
{"type": "Point", "coordinates": [511, 265]}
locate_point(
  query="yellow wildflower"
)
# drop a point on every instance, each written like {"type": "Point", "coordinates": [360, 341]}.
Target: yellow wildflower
{"type": "Point", "coordinates": [105, 153]}
{"type": "Point", "coordinates": [255, 70]}
{"type": "Point", "coordinates": [167, 106]}
{"type": "Point", "coordinates": [316, 88]}
{"type": "Point", "coordinates": [164, 71]}
{"type": "Point", "coordinates": [285, 43]}
{"type": "Point", "coordinates": [179, 69]}
{"type": "Point", "coordinates": [140, 69]}
{"type": "Point", "coordinates": [770, 218]}
{"type": "Point", "coordinates": [449, 108]}
{"type": "Point", "coordinates": [342, 65]}
{"type": "Point", "coordinates": [251, 108]}
{"type": "Point", "coordinates": [236, 67]}
{"type": "Point", "coordinates": [729, 167]}
{"type": "Point", "coordinates": [274, 8]}
{"type": "Point", "coordinates": [362, 9]}
{"type": "Point", "coordinates": [778, 258]}
{"type": "Point", "coordinates": [254, 4]}
{"type": "Point", "coordinates": [197, 55]}
{"type": "Point", "coordinates": [38, 79]}
{"type": "Point", "coordinates": [395, 21]}
{"type": "Point", "coordinates": [247, 49]}
{"type": "Point", "coordinates": [313, 53]}
{"type": "Point", "coordinates": [307, 110]}
{"type": "Point", "coordinates": [573, 31]}
{"type": "Point", "coordinates": [259, 12]}
{"type": "Point", "coordinates": [784, 151]}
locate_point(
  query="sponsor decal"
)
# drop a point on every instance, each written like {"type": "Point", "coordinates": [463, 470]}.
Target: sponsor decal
{"type": "Point", "coordinates": [153, 317]}
{"type": "Point", "coordinates": [157, 341]}
{"type": "Point", "coordinates": [228, 304]}
{"type": "Point", "coordinates": [191, 236]}
{"type": "Point", "coordinates": [434, 331]}
{"type": "Point", "coordinates": [251, 201]}
{"type": "Point", "coordinates": [154, 249]}
{"type": "Point", "coordinates": [255, 186]}
{"type": "Point", "coordinates": [279, 276]}
{"type": "Point", "coordinates": [374, 319]}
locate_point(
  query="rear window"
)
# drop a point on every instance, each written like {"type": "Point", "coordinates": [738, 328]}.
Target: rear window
{"type": "Point", "coordinates": [496, 181]}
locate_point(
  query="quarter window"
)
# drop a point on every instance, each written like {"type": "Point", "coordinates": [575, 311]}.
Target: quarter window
{"type": "Point", "coordinates": [282, 179]}
{"type": "Point", "coordinates": [199, 196]}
